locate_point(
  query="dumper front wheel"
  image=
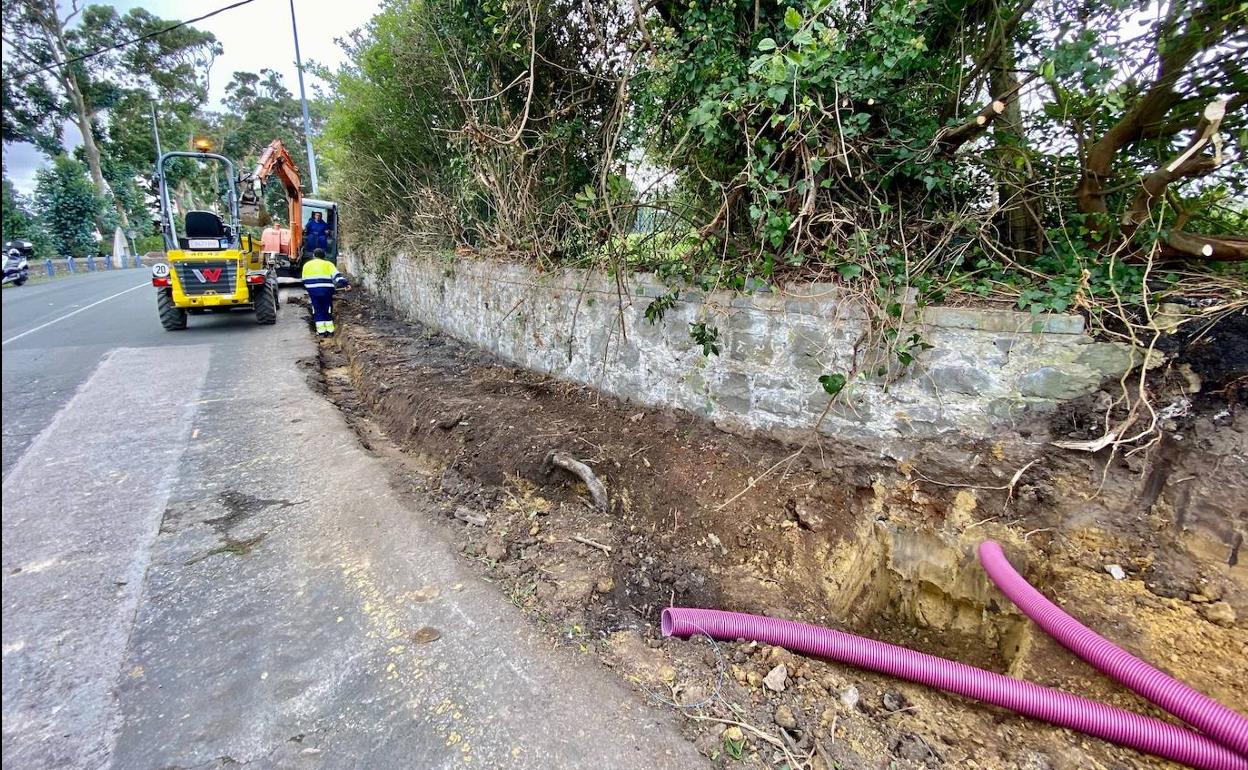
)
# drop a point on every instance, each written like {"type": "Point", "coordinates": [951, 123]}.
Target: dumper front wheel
{"type": "Point", "coordinates": [265, 301]}
{"type": "Point", "coordinates": [172, 317]}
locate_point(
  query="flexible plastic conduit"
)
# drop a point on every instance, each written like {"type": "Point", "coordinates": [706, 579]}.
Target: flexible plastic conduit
{"type": "Point", "coordinates": [1136, 731]}
{"type": "Point", "coordinates": [1198, 710]}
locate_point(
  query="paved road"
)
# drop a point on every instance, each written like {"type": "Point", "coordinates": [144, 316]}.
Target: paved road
{"type": "Point", "coordinates": [55, 334]}
{"type": "Point", "coordinates": [202, 567]}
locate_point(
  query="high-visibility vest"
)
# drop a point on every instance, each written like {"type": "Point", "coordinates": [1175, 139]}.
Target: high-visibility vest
{"type": "Point", "coordinates": [322, 274]}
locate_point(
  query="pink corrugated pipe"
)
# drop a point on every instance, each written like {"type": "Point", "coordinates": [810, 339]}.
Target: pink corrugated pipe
{"type": "Point", "coordinates": [1197, 709]}
{"type": "Point", "coordinates": [1136, 731]}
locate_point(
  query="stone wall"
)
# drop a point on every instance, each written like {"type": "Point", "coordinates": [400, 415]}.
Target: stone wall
{"type": "Point", "coordinates": [985, 369]}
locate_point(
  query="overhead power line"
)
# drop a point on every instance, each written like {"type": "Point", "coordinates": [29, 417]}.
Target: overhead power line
{"type": "Point", "coordinates": [139, 39]}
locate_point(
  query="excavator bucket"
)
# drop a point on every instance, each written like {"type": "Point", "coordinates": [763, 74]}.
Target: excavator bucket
{"type": "Point", "coordinates": [253, 213]}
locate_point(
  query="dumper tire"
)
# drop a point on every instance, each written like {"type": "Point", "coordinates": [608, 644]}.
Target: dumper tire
{"type": "Point", "coordinates": [172, 317]}
{"type": "Point", "coordinates": [266, 301]}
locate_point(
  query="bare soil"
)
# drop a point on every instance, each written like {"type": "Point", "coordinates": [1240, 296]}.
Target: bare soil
{"type": "Point", "coordinates": [866, 538]}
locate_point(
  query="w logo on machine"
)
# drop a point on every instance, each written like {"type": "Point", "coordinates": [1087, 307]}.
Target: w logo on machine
{"type": "Point", "coordinates": [208, 274]}
{"type": "Point", "coordinates": [206, 278]}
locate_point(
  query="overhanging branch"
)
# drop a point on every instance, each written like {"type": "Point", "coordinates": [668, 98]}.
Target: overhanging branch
{"type": "Point", "coordinates": [1188, 164]}
{"type": "Point", "coordinates": [950, 138]}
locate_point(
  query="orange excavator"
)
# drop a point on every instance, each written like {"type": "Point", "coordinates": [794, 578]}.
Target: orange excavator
{"type": "Point", "coordinates": [276, 161]}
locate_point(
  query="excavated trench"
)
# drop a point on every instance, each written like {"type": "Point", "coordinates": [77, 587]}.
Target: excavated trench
{"type": "Point", "coordinates": [916, 589]}
{"type": "Point", "coordinates": [842, 535]}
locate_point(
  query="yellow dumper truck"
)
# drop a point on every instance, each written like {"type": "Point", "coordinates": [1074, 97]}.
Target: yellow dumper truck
{"type": "Point", "coordinates": [211, 265]}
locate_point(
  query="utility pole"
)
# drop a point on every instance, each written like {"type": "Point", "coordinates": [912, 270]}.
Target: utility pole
{"type": "Point", "coordinates": [166, 226]}
{"type": "Point", "coordinates": [156, 134]}
{"type": "Point", "coordinates": [307, 123]}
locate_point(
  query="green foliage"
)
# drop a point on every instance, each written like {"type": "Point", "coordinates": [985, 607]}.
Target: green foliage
{"type": "Point", "coordinates": [173, 65]}
{"type": "Point", "coordinates": [832, 383]}
{"type": "Point", "coordinates": [705, 336]}
{"type": "Point", "coordinates": [20, 223]}
{"type": "Point", "coordinates": [388, 119]}
{"type": "Point", "coordinates": [814, 139]}
{"type": "Point", "coordinates": [910, 348]}
{"type": "Point", "coordinates": [68, 204]}
{"type": "Point", "coordinates": [473, 122]}
{"type": "Point", "coordinates": [770, 93]}
{"type": "Point", "coordinates": [660, 305]}
{"type": "Point", "coordinates": [260, 109]}
{"type": "Point", "coordinates": [149, 243]}
{"type": "Point", "coordinates": [107, 95]}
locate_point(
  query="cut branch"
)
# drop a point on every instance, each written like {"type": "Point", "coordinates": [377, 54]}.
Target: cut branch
{"type": "Point", "coordinates": [592, 544]}
{"type": "Point", "coordinates": [999, 43]}
{"type": "Point", "coordinates": [1223, 248]}
{"type": "Point", "coordinates": [597, 491]}
{"type": "Point", "coordinates": [951, 138]}
{"type": "Point", "coordinates": [1187, 164]}
{"type": "Point", "coordinates": [1162, 129]}
{"type": "Point", "coordinates": [1205, 23]}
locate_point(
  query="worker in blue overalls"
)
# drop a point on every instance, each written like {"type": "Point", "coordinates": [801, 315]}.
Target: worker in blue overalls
{"type": "Point", "coordinates": [321, 278]}
{"type": "Point", "coordinates": [316, 233]}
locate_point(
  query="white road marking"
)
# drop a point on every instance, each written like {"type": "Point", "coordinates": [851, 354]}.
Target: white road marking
{"type": "Point", "coordinates": [73, 313]}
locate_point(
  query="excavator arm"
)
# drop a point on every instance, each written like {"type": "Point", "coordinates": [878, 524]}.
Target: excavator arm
{"type": "Point", "coordinates": [276, 161]}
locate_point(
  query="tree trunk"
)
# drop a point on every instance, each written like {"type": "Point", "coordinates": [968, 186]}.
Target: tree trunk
{"type": "Point", "coordinates": [1189, 163]}
{"type": "Point", "coordinates": [92, 151]}
{"type": "Point", "coordinates": [1020, 226]}
{"type": "Point", "coordinates": [54, 31]}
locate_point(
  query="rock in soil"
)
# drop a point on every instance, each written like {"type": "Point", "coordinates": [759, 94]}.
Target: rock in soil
{"type": "Point", "coordinates": [470, 517]}
{"type": "Point", "coordinates": [1220, 613]}
{"type": "Point", "coordinates": [808, 518]}
{"type": "Point", "coordinates": [777, 679]}
{"type": "Point", "coordinates": [894, 701]}
{"type": "Point", "coordinates": [708, 744]}
{"type": "Point", "coordinates": [691, 694]}
{"type": "Point", "coordinates": [786, 718]}
{"type": "Point", "coordinates": [912, 747]}
{"type": "Point", "coordinates": [849, 697]}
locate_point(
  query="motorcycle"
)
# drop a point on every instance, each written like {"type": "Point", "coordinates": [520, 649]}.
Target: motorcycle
{"type": "Point", "coordinates": [16, 268]}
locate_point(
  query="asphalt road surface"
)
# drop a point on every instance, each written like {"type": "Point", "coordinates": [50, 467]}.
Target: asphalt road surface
{"type": "Point", "coordinates": [202, 568]}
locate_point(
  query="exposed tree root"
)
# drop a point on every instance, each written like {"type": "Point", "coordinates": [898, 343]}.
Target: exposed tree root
{"type": "Point", "coordinates": [597, 491]}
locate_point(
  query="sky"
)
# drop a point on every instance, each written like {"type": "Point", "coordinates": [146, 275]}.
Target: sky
{"type": "Point", "coordinates": [255, 36]}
